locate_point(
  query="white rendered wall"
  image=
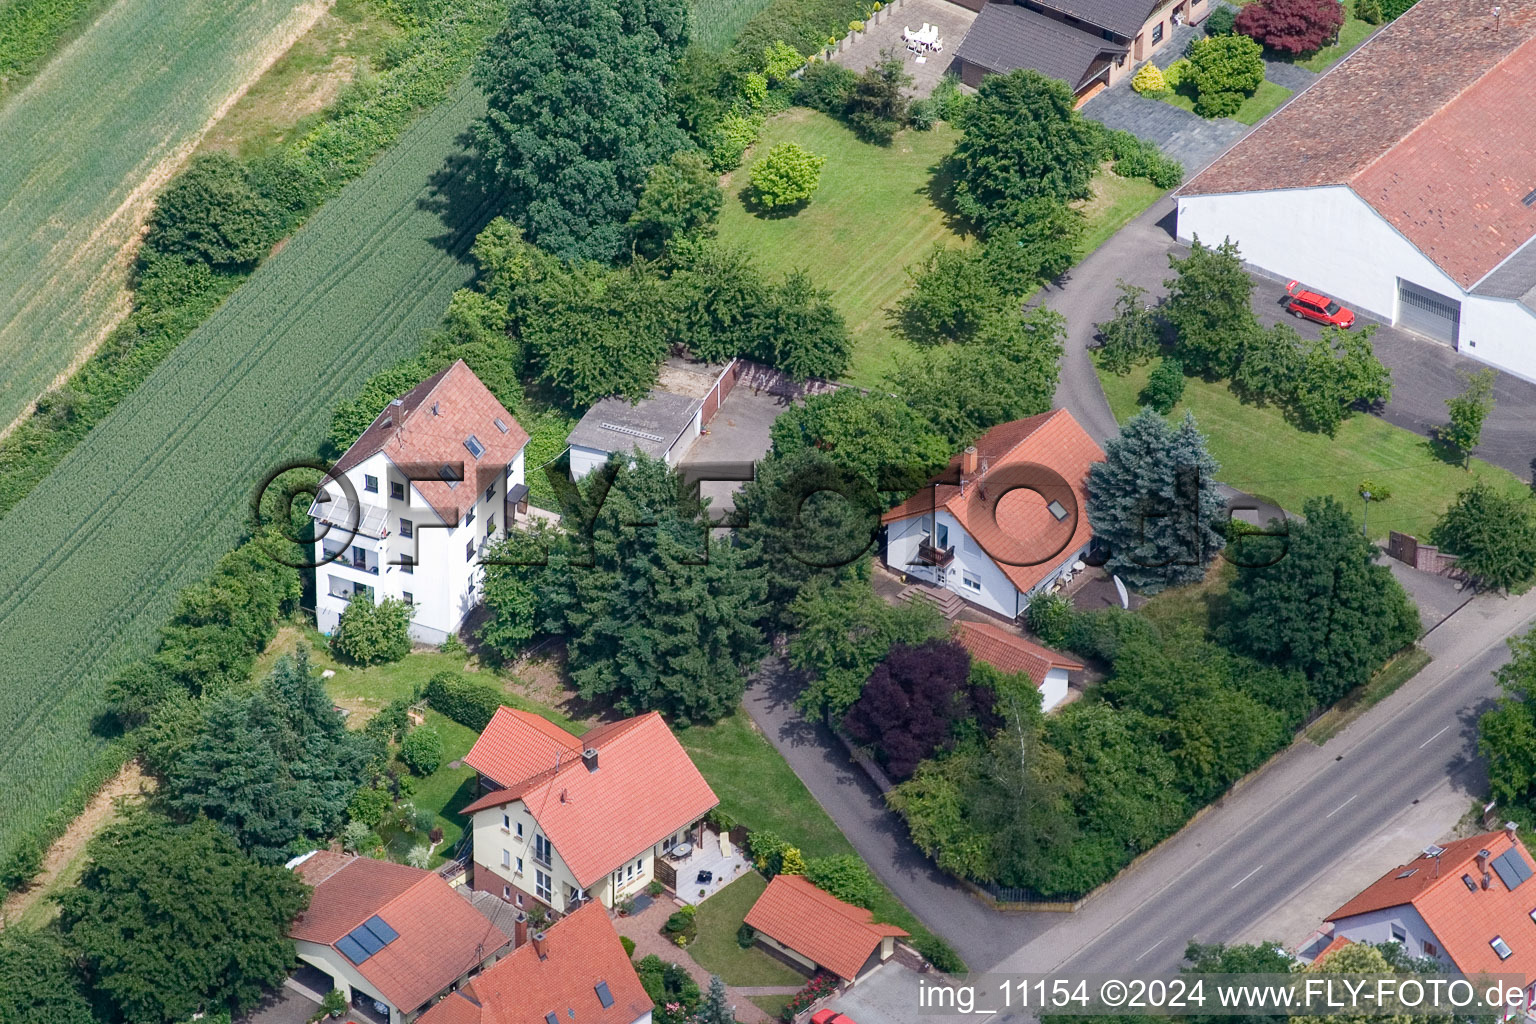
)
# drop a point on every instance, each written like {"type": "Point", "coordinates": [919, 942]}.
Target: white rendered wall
{"type": "Point", "coordinates": [1332, 240]}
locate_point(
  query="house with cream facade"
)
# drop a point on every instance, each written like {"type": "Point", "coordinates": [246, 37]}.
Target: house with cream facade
{"type": "Point", "coordinates": [409, 509]}
{"type": "Point", "coordinates": [564, 820]}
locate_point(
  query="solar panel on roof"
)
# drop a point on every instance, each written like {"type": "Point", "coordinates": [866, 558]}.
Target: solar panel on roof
{"type": "Point", "coordinates": [603, 995]}
{"type": "Point", "coordinates": [351, 950]}
{"type": "Point", "coordinates": [385, 933]}
{"type": "Point", "coordinates": [1511, 869]}
{"type": "Point", "coordinates": [370, 942]}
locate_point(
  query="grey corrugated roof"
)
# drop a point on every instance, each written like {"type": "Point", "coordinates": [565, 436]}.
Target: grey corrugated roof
{"type": "Point", "coordinates": [1123, 17]}
{"type": "Point", "coordinates": [650, 425]}
{"type": "Point", "coordinates": [1515, 278]}
{"type": "Point", "coordinates": [1005, 37]}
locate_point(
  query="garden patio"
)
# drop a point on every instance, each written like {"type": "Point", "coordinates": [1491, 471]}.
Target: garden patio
{"type": "Point", "coordinates": [708, 865]}
{"type": "Point", "coordinates": [884, 32]}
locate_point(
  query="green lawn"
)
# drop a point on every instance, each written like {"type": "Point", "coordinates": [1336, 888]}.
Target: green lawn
{"type": "Point", "coordinates": [876, 213]}
{"type": "Point", "coordinates": [773, 1006]}
{"type": "Point", "coordinates": [443, 792]}
{"type": "Point", "coordinates": [873, 216]}
{"type": "Point", "coordinates": [716, 948]}
{"type": "Point", "coordinates": [1266, 98]}
{"type": "Point", "coordinates": [1262, 454]}
{"type": "Point", "coordinates": [757, 787]}
{"type": "Point", "coordinates": [1116, 202]}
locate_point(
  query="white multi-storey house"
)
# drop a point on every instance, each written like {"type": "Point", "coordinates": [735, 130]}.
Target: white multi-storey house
{"type": "Point", "coordinates": [409, 509]}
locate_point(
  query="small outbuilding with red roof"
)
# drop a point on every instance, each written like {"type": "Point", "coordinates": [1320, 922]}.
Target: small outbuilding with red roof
{"type": "Point", "coordinates": [1011, 653]}
{"type": "Point", "coordinates": [564, 819]}
{"type": "Point", "coordinates": [390, 934]}
{"type": "Point", "coordinates": [1005, 520]}
{"type": "Point", "coordinates": [1464, 904]}
{"type": "Point", "coordinates": [815, 930]}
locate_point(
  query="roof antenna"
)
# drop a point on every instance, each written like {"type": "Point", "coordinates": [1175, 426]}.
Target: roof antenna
{"type": "Point", "coordinates": [1497, 10]}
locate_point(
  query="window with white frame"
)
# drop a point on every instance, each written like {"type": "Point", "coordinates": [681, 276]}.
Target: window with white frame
{"type": "Point", "coordinates": [970, 581]}
{"type": "Point", "coordinates": [543, 886]}
{"type": "Point", "coordinates": [506, 858]}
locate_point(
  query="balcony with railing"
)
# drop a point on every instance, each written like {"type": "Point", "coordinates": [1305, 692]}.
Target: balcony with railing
{"type": "Point", "coordinates": [358, 558]}
{"type": "Point", "coordinates": [929, 553]}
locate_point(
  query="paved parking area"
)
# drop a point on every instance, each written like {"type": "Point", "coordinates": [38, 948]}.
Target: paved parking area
{"type": "Point", "coordinates": [888, 996]}
{"type": "Point", "coordinates": [885, 34]}
{"type": "Point", "coordinates": [738, 436]}
{"type": "Point", "coordinates": [282, 1006]}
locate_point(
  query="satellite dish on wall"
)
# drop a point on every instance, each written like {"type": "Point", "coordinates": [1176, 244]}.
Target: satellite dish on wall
{"type": "Point", "coordinates": [1125, 599]}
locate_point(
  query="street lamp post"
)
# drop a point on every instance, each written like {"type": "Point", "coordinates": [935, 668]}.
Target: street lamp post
{"type": "Point", "coordinates": [1365, 522]}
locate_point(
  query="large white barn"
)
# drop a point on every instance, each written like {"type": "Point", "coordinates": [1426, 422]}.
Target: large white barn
{"type": "Point", "coordinates": [1403, 183]}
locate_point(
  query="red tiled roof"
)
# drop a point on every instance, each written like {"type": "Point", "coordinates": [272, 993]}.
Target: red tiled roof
{"type": "Point", "coordinates": [1464, 921]}
{"type": "Point", "coordinates": [581, 950]}
{"type": "Point", "coordinates": [428, 428]}
{"type": "Point", "coordinates": [644, 789]}
{"type": "Point", "coordinates": [1013, 526]}
{"type": "Point", "coordinates": [320, 865]}
{"type": "Point", "coordinates": [441, 936]}
{"type": "Point", "coordinates": [517, 745]}
{"type": "Point", "coordinates": [836, 935]}
{"type": "Point", "coordinates": [1009, 653]}
{"type": "Point", "coordinates": [1443, 156]}
{"type": "Point", "coordinates": [1339, 942]}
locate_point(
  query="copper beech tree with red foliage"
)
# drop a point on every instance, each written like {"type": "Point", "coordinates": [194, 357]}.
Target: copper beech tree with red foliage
{"type": "Point", "coordinates": [913, 702]}
{"type": "Point", "coordinates": [1292, 26]}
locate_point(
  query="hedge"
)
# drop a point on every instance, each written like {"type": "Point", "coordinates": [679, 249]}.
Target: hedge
{"type": "Point", "coordinates": [467, 702]}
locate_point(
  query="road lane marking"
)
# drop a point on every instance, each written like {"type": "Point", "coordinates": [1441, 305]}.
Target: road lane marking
{"type": "Point", "coordinates": [1341, 806]}
{"type": "Point", "coordinates": [1149, 949]}
{"type": "Point", "coordinates": [1431, 739]}
{"type": "Point", "coordinates": [1250, 874]}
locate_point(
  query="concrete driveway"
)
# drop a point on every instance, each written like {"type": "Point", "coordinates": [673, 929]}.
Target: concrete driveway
{"type": "Point", "coordinates": [888, 996]}
{"type": "Point", "coordinates": [737, 436]}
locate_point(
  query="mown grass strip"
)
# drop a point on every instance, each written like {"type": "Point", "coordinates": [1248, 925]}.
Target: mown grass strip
{"type": "Point", "coordinates": [1382, 685]}
{"type": "Point", "coordinates": [95, 556]}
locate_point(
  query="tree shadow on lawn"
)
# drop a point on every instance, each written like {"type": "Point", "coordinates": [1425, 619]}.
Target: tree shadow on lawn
{"type": "Point", "coordinates": [761, 212]}
{"type": "Point", "coordinates": [939, 191]}
{"type": "Point", "coordinates": [460, 194]}
{"type": "Point", "coordinates": [1438, 447]}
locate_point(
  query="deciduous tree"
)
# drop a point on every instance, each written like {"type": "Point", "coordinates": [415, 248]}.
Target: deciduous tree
{"type": "Point", "coordinates": [369, 634]}
{"type": "Point", "coordinates": [578, 96]}
{"type": "Point", "coordinates": [213, 212]}
{"type": "Point", "coordinates": [1208, 306]}
{"type": "Point", "coordinates": [1225, 66]}
{"type": "Point", "coordinates": [876, 436]}
{"type": "Point", "coordinates": [1292, 26]}
{"type": "Point", "coordinates": [38, 982]}
{"type": "Point", "coordinates": [1324, 607]}
{"type": "Point", "coordinates": [1468, 411]}
{"type": "Point", "coordinates": [172, 919]}
{"type": "Point", "coordinates": [1494, 534]}
{"type": "Point", "coordinates": [1021, 138]}
{"type": "Point", "coordinates": [1507, 734]}
{"type": "Point", "coordinates": [681, 197]}
{"type": "Point", "coordinates": [1131, 337]}
{"type": "Point", "coordinates": [913, 703]}
{"type": "Point", "coordinates": [786, 177]}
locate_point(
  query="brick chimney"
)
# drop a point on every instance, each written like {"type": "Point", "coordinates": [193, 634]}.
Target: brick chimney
{"type": "Point", "coordinates": [1509, 830]}
{"type": "Point", "coordinates": [1482, 862]}
{"type": "Point", "coordinates": [969, 461]}
{"type": "Point", "coordinates": [541, 945]}
{"type": "Point", "coordinates": [520, 930]}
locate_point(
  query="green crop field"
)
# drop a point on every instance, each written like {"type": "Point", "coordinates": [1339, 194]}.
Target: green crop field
{"type": "Point", "coordinates": [86, 143]}
{"type": "Point", "coordinates": [94, 557]}
{"type": "Point", "coordinates": [716, 23]}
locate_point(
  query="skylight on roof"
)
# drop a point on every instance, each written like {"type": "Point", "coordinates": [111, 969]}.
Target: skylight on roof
{"type": "Point", "coordinates": [1466, 880]}
{"type": "Point", "coordinates": [550, 1018]}
{"type": "Point", "coordinates": [1055, 508]}
{"type": "Point", "coordinates": [501, 424]}
{"type": "Point", "coordinates": [1409, 873]}
{"type": "Point", "coordinates": [475, 447]}
{"type": "Point", "coordinates": [603, 995]}
{"type": "Point", "coordinates": [450, 476]}
{"type": "Point", "coordinates": [1502, 948]}
{"type": "Point", "coordinates": [1530, 198]}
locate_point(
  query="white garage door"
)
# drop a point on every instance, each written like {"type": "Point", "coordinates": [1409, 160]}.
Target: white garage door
{"type": "Point", "coordinates": [1428, 313]}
